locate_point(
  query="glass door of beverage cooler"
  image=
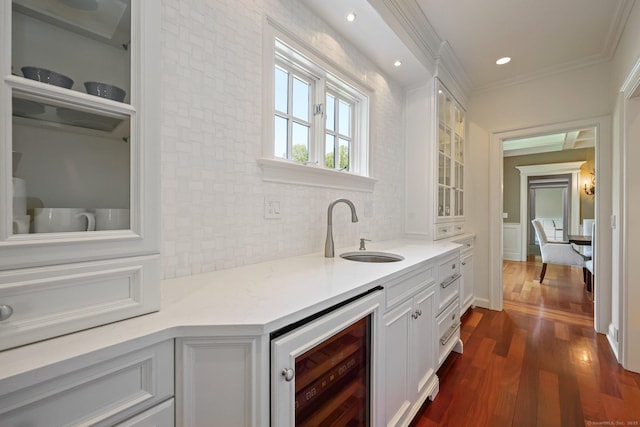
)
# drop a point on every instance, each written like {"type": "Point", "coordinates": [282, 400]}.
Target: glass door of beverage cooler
{"type": "Point", "coordinates": [323, 371]}
{"type": "Point", "coordinates": [332, 380]}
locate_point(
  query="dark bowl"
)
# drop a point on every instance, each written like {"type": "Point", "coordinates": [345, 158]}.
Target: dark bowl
{"type": "Point", "coordinates": [105, 90]}
{"type": "Point", "coordinates": [47, 76]}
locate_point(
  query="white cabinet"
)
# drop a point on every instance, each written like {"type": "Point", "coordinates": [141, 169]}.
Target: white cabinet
{"type": "Point", "coordinates": [466, 266]}
{"type": "Point", "coordinates": [217, 382]}
{"type": "Point", "coordinates": [435, 143]}
{"type": "Point", "coordinates": [79, 183]}
{"type": "Point", "coordinates": [409, 365]}
{"type": "Point", "coordinates": [450, 160]}
{"type": "Point", "coordinates": [97, 392]}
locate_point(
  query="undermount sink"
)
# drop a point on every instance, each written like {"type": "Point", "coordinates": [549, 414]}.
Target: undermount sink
{"type": "Point", "coordinates": [371, 256]}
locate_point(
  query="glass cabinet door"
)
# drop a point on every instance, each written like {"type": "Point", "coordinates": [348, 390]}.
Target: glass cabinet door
{"type": "Point", "coordinates": [451, 143]}
{"type": "Point", "coordinates": [71, 118]}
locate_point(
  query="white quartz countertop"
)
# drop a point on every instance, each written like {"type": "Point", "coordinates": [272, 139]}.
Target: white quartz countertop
{"type": "Point", "coordinates": [250, 300]}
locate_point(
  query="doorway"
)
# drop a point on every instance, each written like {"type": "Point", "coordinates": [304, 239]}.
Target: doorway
{"type": "Point", "coordinates": [602, 128]}
{"type": "Point", "coordinates": [548, 201]}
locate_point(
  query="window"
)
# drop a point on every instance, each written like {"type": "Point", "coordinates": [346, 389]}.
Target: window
{"type": "Point", "coordinates": [315, 114]}
{"type": "Point", "coordinates": [316, 119]}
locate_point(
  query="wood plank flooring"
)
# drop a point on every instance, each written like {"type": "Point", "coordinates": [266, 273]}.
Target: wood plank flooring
{"type": "Point", "coordinates": [537, 363]}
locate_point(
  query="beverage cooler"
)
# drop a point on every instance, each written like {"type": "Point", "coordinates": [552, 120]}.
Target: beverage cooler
{"type": "Point", "coordinates": [323, 367]}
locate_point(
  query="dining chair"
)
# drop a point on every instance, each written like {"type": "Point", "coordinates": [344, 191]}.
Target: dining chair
{"type": "Point", "coordinates": [555, 253]}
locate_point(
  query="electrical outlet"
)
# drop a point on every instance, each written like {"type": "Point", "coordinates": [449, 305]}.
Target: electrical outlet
{"type": "Point", "coordinates": [272, 208]}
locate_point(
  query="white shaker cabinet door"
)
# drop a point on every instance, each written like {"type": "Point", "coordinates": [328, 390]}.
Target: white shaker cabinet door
{"type": "Point", "coordinates": [216, 382]}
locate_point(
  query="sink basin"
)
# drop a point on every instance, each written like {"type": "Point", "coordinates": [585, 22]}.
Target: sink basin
{"type": "Point", "coordinates": [363, 256]}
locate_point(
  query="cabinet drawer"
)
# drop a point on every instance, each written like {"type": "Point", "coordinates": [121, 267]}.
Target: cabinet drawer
{"type": "Point", "coordinates": [100, 394]}
{"type": "Point", "coordinates": [407, 285]}
{"type": "Point", "coordinates": [448, 330]}
{"type": "Point", "coordinates": [161, 415]}
{"type": "Point", "coordinates": [55, 300]}
{"type": "Point", "coordinates": [443, 231]}
{"type": "Point", "coordinates": [449, 281]}
{"type": "Point", "coordinates": [467, 245]}
{"type": "Point", "coordinates": [448, 230]}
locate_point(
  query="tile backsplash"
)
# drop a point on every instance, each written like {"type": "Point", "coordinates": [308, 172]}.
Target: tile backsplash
{"type": "Point", "coordinates": [212, 190]}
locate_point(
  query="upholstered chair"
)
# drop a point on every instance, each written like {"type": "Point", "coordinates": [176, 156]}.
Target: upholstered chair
{"type": "Point", "coordinates": [555, 253]}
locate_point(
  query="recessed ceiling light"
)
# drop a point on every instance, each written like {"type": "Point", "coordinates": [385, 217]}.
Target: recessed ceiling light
{"type": "Point", "coordinates": [351, 16]}
{"type": "Point", "coordinates": [397, 63]}
{"type": "Point", "coordinates": [503, 60]}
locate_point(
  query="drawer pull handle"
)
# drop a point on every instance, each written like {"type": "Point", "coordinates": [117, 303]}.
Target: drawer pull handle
{"type": "Point", "coordinates": [5, 312]}
{"type": "Point", "coordinates": [452, 331]}
{"type": "Point", "coordinates": [450, 281]}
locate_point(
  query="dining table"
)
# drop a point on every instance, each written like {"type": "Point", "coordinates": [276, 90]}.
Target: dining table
{"type": "Point", "coordinates": [580, 239]}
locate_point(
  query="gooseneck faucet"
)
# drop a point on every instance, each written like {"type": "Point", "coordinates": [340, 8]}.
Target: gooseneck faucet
{"type": "Point", "coordinates": [328, 246]}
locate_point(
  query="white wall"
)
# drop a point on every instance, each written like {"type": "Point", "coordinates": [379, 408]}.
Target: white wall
{"type": "Point", "coordinates": [477, 217]}
{"type": "Point", "coordinates": [625, 317]}
{"type": "Point", "coordinates": [212, 191]}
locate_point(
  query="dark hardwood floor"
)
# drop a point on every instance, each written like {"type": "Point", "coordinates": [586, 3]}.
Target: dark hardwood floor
{"type": "Point", "coordinates": [537, 363]}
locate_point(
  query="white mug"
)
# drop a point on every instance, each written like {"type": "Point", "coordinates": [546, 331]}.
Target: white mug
{"type": "Point", "coordinates": [112, 219]}
{"type": "Point", "coordinates": [56, 220]}
{"type": "Point", "coordinates": [21, 224]}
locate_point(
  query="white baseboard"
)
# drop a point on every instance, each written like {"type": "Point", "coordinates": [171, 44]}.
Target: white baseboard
{"type": "Point", "coordinates": [482, 302]}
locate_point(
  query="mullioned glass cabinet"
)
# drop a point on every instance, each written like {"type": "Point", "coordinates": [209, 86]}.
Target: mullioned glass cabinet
{"type": "Point", "coordinates": [79, 148]}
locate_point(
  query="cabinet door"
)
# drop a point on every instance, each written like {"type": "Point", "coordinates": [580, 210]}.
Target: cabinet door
{"type": "Point", "coordinates": [423, 372]}
{"type": "Point", "coordinates": [466, 286]}
{"type": "Point", "coordinates": [397, 363]}
{"type": "Point", "coordinates": [81, 129]}
{"type": "Point", "coordinates": [451, 155]}
{"type": "Point", "coordinates": [215, 381]}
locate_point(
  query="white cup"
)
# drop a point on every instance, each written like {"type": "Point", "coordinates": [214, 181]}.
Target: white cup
{"type": "Point", "coordinates": [56, 220]}
{"type": "Point", "coordinates": [19, 197]}
{"type": "Point", "coordinates": [112, 219]}
{"type": "Point", "coordinates": [21, 224]}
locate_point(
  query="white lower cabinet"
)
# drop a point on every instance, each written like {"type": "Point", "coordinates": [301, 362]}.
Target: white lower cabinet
{"type": "Point", "coordinates": [217, 382]}
{"type": "Point", "coordinates": [97, 394]}
{"type": "Point", "coordinates": [409, 365]}
{"type": "Point", "coordinates": [466, 269]}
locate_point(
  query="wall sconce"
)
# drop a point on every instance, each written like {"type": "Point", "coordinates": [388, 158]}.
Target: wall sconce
{"type": "Point", "coordinates": [590, 188]}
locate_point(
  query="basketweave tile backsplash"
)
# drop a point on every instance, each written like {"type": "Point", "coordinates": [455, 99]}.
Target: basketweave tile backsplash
{"type": "Point", "coordinates": [212, 190]}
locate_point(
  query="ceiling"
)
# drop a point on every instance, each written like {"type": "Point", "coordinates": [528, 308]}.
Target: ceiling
{"type": "Point", "coordinates": [581, 138]}
{"type": "Point", "coordinates": [541, 36]}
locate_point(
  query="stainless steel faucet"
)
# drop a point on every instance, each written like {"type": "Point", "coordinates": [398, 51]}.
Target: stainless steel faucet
{"type": "Point", "coordinates": [328, 246]}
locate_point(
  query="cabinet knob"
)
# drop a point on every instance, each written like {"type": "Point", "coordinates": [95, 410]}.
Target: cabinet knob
{"type": "Point", "coordinates": [288, 374]}
{"type": "Point", "coordinates": [5, 312]}
{"type": "Point", "coordinates": [464, 263]}
{"type": "Point", "coordinates": [419, 312]}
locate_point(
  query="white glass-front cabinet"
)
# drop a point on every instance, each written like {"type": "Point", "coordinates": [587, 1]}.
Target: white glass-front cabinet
{"type": "Point", "coordinates": [435, 128]}
{"type": "Point", "coordinates": [79, 149]}
{"type": "Point", "coordinates": [450, 164]}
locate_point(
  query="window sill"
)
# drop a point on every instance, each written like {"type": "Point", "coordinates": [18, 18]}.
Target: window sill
{"type": "Point", "coordinates": [289, 172]}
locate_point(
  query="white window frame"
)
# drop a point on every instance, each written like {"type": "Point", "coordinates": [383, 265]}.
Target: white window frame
{"type": "Point", "coordinates": [281, 47]}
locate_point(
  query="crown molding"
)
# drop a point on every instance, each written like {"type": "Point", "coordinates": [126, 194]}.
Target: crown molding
{"type": "Point", "coordinates": [408, 20]}
{"type": "Point", "coordinates": [616, 28]}
{"type": "Point", "coordinates": [451, 72]}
